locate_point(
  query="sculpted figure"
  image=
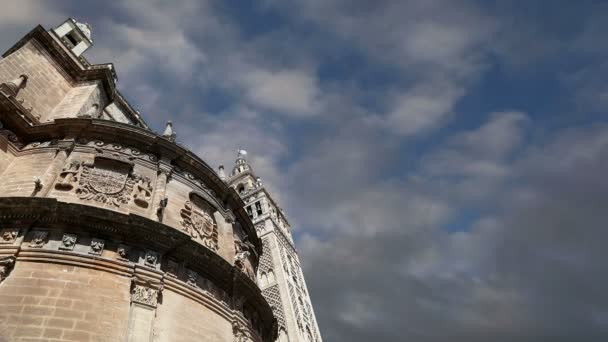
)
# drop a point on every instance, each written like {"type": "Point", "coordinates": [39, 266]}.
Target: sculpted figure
{"type": "Point", "coordinates": [68, 176]}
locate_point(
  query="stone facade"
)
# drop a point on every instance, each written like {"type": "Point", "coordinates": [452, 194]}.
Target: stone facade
{"type": "Point", "coordinates": [279, 273]}
{"type": "Point", "coordinates": [109, 231]}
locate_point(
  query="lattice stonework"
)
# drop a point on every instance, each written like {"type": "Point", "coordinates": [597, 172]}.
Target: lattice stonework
{"type": "Point", "coordinates": [266, 259]}
{"type": "Point", "coordinates": [273, 297]}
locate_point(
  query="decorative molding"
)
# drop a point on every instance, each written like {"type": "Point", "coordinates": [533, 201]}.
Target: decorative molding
{"type": "Point", "coordinates": [8, 235]}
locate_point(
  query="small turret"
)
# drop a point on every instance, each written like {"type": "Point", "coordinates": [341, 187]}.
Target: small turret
{"type": "Point", "coordinates": [75, 36]}
{"type": "Point", "coordinates": [168, 133]}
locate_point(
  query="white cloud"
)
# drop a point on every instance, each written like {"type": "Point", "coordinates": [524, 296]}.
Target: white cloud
{"type": "Point", "coordinates": [422, 108]}
{"type": "Point", "coordinates": [289, 92]}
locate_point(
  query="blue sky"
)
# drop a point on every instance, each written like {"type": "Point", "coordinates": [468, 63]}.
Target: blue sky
{"type": "Point", "coordinates": [442, 162]}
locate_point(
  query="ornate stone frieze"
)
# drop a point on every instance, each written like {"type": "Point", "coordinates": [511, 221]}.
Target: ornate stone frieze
{"type": "Point", "coordinates": [96, 247]}
{"type": "Point", "coordinates": [68, 241]}
{"type": "Point", "coordinates": [8, 235]}
{"type": "Point", "coordinates": [200, 225]}
{"type": "Point", "coordinates": [144, 295]}
{"type": "Point", "coordinates": [39, 238]}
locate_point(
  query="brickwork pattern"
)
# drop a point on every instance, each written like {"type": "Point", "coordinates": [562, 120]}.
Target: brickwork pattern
{"type": "Point", "coordinates": [51, 302]}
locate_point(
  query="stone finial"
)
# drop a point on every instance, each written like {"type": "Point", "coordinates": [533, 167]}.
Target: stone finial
{"type": "Point", "coordinates": [221, 172]}
{"type": "Point", "coordinates": [13, 87]}
{"type": "Point", "coordinates": [168, 133]}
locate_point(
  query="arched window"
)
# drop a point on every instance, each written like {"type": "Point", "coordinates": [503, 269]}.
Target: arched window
{"type": "Point", "coordinates": [240, 189]}
{"type": "Point", "coordinates": [270, 276]}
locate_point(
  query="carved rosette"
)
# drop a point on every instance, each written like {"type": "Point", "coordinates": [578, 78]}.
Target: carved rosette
{"type": "Point", "coordinates": [199, 225]}
{"type": "Point", "coordinates": [144, 295]}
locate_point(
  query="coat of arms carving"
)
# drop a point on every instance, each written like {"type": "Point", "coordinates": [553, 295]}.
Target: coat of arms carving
{"type": "Point", "coordinates": [200, 225]}
{"type": "Point", "coordinates": [107, 181]}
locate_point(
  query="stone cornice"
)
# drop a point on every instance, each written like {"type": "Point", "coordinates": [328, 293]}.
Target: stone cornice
{"type": "Point", "coordinates": [137, 231]}
{"type": "Point", "coordinates": [144, 140]}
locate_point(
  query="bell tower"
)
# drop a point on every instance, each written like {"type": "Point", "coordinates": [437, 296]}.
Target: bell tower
{"type": "Point", "coordinates": [279, 275]}
{"type": "Point", "coordinates": [75, 35]}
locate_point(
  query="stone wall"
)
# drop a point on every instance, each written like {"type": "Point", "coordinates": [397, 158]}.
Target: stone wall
{"type": "Point", "coordinates": [45, 301]}
{"type": "Point", "coordinates": [46, 85]}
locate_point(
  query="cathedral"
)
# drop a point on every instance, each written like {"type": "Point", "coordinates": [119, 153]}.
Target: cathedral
{"type": "Point", "coordinates": [112, 232]}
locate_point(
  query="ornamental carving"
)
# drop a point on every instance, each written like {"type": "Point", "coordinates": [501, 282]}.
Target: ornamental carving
{"type": "Point", "coordinates": [240, 333]}
{"type": "Point", "coordinates": [241, 259]}
{"type": "Point", "coordinates": [96, 247]}
{"type": "Point", "coordinates": [144, 295]}
{"type": "Point", "coordinates": [8, 235]}
{"type": "Point", "coordinates": [39, 238]}
{"type": "Point", "coordinates": [69, 176]}
{"type": "Point", "coordinates": [192, 278]}
{"type": "Point", "coordinates": [150, 259]}
{"type": "Point", "coordinates": [123, 252]}
{"type": "Point", "coordinates": [68, 241]}
{"type": "Point", "coordinates": [6, 265]}
{"type": "Point", "coordinates": [106, 181]}
{"type": "Point", "coordinates": [200, 225]}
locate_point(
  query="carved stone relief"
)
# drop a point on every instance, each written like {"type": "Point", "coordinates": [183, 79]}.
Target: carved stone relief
{"type": "Point", "coordinates": [108, 180]}
{"type": "Point", "coordinates": [123, 252]}
{"type": "Point", "coordinates": [69, 176]}
{"type": "Point", "coordinates": [241, 259]}
{"type": "Point", "coordinates": [39, 238]}
{"type": "Point", "coordinates": [96, 247]}
{"type": "Point", "coordinates": [172, 268]}
{"type": "Point", "coordinates": [144, 295]}
{"type": "Point", "coordinates": [68, 241]}
{"type": "Point", "coordinates": [143, 192]}
{"type": "Point", "coordinates": [8, 235]}
{"type": "Point", "coordinates": [150, 259]}
{"type": "Point", "coordinates": [200, 225]}
{"type": "Point", "coordinates": [6, 264]}
{"type": "Point", "coordinates": [192, 278]}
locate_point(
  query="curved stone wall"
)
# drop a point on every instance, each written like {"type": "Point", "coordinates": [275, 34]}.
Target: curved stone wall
{"type": "Point", "coordinates": [141, 231]}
